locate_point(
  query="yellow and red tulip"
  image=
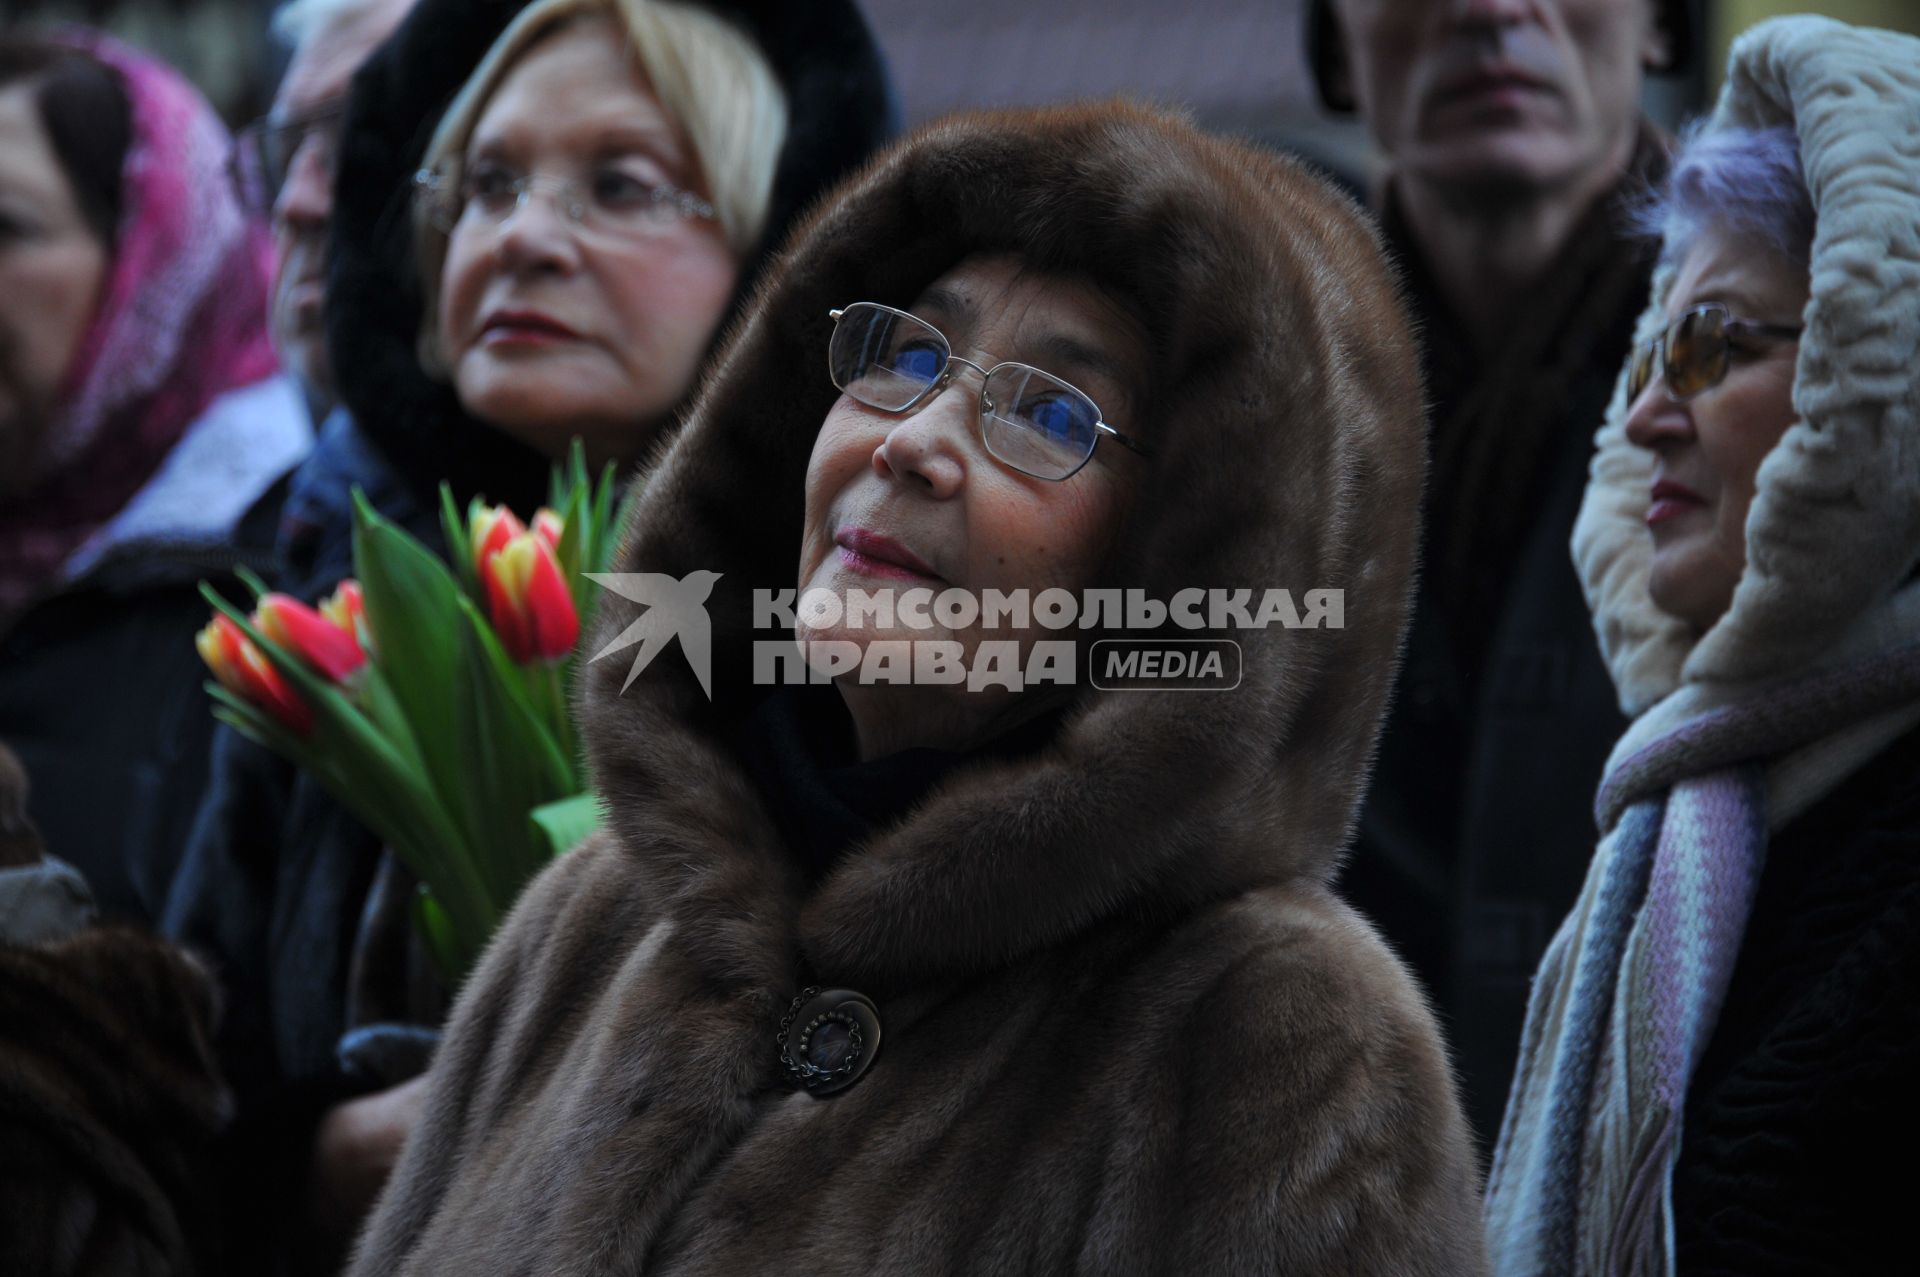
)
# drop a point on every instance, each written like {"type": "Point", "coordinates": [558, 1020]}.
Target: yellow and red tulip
{"type": "Point", "coordinates": [549, 526]}
{"type": "Point", "coordinates": [243, 670]}
{"type": "Point", "coordinates": [328, 649]}
{"type": "Point", "coordinates": [528, 600]}
{"type": "Point", "coordinates": [488, 532]}
{"type": "Point", "coordinates": [346, 607]}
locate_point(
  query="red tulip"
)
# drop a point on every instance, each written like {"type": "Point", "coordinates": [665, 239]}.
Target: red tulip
{"type": "Point", "coordinates": [489, 531]}
{"type": "Point", "coordinates": [244, 671]}
{"type": "Point", "coordinates": [327, 648]}
{"type": "Point", "coordinates": [550, 526]}
{"type": "Point", "coordinates": [529, 601]}
{"type": "Point", "coordinates": [346, 607]}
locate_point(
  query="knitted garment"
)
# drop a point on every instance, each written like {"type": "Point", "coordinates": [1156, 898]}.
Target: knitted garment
{"type": "Point", "coordinates": [1629, 992]}
{"type": "Point", "coordinates": [1812, 671]}
{"type": "Point", "coordinates": [182, 320]}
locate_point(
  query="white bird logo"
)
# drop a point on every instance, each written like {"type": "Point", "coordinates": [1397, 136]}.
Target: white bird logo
{"type": "Point", "coordinates": [674, 607]}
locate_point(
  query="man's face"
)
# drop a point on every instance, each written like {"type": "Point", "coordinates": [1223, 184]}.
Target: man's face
{"type": "Point", "coordinates": [1506, 93]}
{"type": "Point", "coordinates": [316, 79]}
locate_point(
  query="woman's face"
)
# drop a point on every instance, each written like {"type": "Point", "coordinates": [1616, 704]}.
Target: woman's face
{"type": "Point", "coordinates": [52, 269]}
{"type": "Point", "coordinates": [909, 502]}
{"type": "Point", "coordinates": [553, 328]}
{"type": "Point", "coordinates": [1708, 450]}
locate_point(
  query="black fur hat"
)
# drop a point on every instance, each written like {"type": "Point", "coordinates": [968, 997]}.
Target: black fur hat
{"type": "Point", "coordinates": [840, 109]}
{"type": "Point", "coordinates": [1326, 58]}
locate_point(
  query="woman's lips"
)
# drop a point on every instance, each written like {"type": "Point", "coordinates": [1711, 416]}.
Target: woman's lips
{"type": "Point", "coordinates": [524, 328]}
{"type": "Point", "coordinates": [1671, 500]}
{"type": "Point", "coordinates": [872, 554]}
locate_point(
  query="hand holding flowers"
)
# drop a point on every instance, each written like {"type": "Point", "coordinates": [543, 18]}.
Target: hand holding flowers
{"type": "Point", "coordinates": [432, 697]}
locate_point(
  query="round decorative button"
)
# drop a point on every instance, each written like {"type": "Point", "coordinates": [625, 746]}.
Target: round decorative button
{"type": "Point", "coordinates": [828, 1038]}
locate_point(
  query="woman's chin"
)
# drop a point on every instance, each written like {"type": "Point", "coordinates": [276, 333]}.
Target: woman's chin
{"type": "Point", "coordinates": [546, 411]}
{"type": "Point", "coordinates": [1696, 592]}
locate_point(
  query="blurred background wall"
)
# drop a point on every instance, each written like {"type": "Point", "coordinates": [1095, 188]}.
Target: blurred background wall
{"type": "Point", "coordinates": [1728, 18]}
{"type": "Point", "coordinates": [1236, 64]}
{"type": "Point", "coordinates": [221, 45]}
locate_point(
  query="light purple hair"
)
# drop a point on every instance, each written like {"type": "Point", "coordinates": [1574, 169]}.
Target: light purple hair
{"type": "Point", "coordinates": [1745, 184]}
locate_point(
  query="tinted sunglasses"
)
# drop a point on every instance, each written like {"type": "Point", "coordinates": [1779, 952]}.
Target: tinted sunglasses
{"type": "Point", "coordinates": [1694, 352]}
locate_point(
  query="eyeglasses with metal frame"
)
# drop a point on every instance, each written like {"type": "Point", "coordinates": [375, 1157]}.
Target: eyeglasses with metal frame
{"type": "Point", "coordinates": [1029, 419]}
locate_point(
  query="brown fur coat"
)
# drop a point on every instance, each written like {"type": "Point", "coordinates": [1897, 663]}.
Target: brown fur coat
{"type": "Point", "coordinates": [109, 1097]}
{"type": "Point", "coordinates": [1128, 1026]}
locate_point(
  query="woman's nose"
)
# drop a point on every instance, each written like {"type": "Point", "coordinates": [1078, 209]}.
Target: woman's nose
{"type": "Point", "coordinates": [1654, 420]}
{"type": "Point", "coordinates": [929, 449]}
{"type": "Point", "coordinates": [537, 234]}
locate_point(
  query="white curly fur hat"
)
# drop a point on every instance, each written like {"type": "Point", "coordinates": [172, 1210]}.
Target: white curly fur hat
{"type": "Point", "coordinates": [1834, 531]}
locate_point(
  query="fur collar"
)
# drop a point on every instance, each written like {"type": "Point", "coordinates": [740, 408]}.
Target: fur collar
{"type": "Point", "coordinates": [1287, 415]}
{"type": "Point", "coordinates": [1834, 532]}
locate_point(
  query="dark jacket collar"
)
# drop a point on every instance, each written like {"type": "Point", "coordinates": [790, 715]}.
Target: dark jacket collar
{"type": "Point", "coordinates": [1500, 421]}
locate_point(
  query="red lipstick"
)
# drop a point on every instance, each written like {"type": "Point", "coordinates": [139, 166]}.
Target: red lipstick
{"type": "Point", "coordinates": [1670, 500]}
{"type": "Point", "coordinates": [524, 327]}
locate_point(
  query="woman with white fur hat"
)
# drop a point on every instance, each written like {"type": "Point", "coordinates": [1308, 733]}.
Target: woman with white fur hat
{"type": "Point", "coordinates": [1722, 1044]}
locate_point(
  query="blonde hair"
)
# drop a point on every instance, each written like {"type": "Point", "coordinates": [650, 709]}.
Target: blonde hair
{"type": "Point", "coordinates": [710, 76]}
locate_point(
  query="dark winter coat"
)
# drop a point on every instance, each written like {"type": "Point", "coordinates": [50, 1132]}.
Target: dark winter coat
{"type": "Point", "coordinates": [100, 686]}
{"type": "Point", "coordinates": [1805, 1094]}
{"type": "Point", "coordinates": [287, 895]}
{"type": "Point", "coordinates": [1505, 712]}
{"type": "Point", "coordinates": [1128, 1026]}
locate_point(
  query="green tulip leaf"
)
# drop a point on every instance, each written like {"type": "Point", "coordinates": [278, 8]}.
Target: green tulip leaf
{"type": "Point", "coordinates": [567, 823]}
{"type": "Point", "coordinates": [511, 763]}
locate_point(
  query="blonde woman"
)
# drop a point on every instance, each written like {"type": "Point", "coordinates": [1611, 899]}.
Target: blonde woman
{"type": "Point", "coordinates": [542, 220]}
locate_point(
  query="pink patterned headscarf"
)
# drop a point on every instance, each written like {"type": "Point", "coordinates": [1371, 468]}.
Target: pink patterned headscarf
{"type": "Point", "coordinates": [182, 320]}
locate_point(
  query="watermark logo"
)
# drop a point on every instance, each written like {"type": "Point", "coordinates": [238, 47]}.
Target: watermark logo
{"type": "Point", "coordinates": [676, 608]}
{"type": "Point", "coordinates": [1186, 665]}
{"type": "Point", "coordinates": [1167, 660]}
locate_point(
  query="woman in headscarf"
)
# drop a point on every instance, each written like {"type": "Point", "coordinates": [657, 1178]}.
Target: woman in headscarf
{"type": "Point", "coordinates": [139, 421]}
{"type": "Point", "coordinates": [1722, 1045]}
{"type": "Point", "coordinates": [543, 216]}
{"type": "Point", "coordinates": [923, 952]}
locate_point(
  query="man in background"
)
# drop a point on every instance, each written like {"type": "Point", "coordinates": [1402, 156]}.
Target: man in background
{"type": "Point", "coordinates": [1515, 145]}
{"type": "Point", "coordinates": [287, 163]}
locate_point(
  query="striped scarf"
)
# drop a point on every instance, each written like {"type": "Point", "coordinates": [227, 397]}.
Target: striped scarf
{"type": "Point", "coordinates": [1628, 994]}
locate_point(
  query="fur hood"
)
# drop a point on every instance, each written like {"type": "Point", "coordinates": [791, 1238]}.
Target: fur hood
{"type": "Point", "coordinates": [1834, 531]}
{"type": "Point", "coordinates": [840, 107]}
{"type": "Point", "coordinates": [1127, 1026]}
{"type": "Point", "coordinates": [1285, 410]}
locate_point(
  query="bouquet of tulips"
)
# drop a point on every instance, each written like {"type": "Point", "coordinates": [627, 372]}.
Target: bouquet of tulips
{"type": "Point", "coordinates": [432, 698]}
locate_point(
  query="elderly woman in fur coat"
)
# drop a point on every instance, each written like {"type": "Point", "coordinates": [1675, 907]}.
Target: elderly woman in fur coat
{"type": "Point", "coordinates": [868, 975]}
{"type": "Point", "coordinates": [1720, 1057]}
